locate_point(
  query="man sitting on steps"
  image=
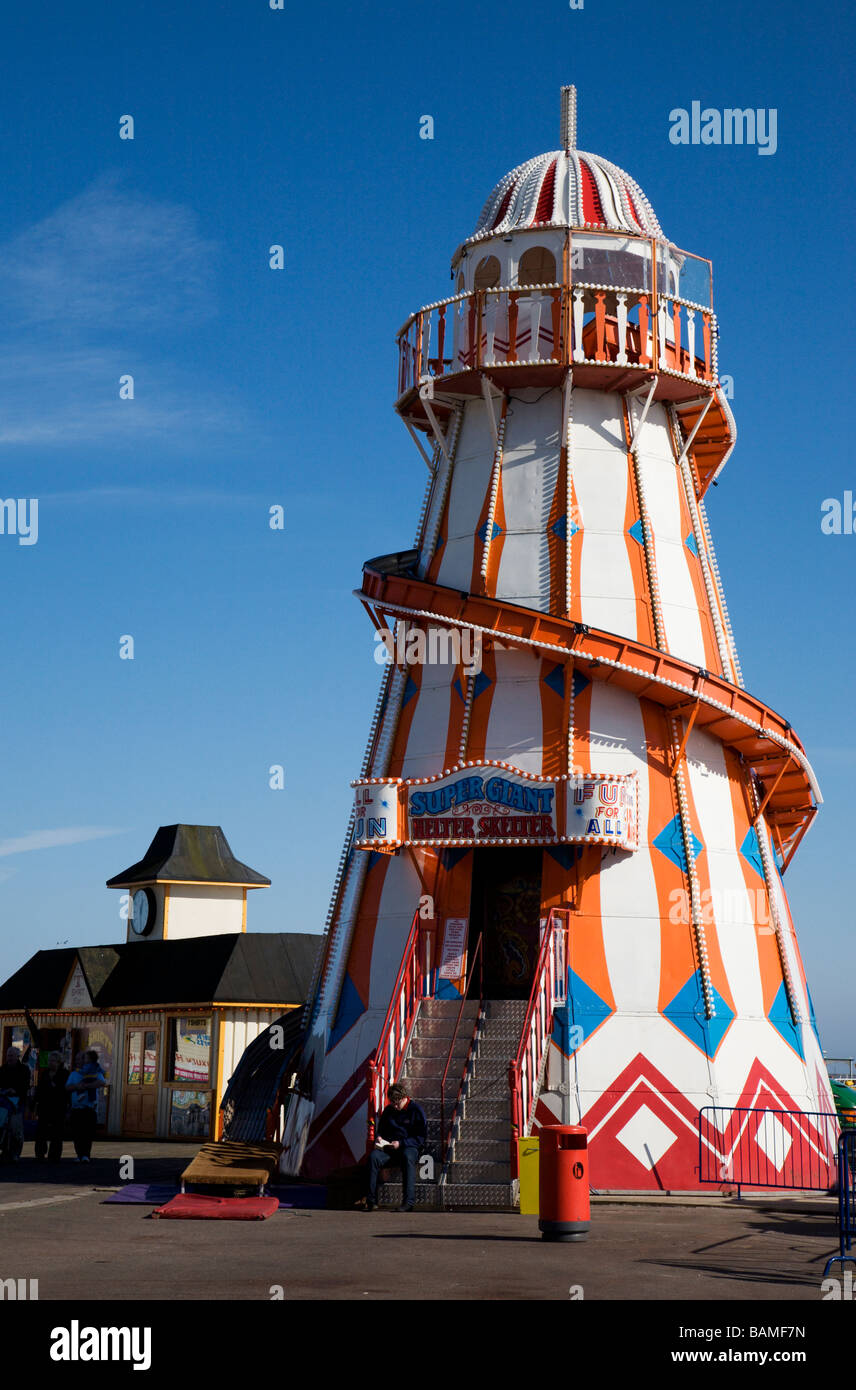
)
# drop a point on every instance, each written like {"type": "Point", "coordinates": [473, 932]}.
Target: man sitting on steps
{"type": "Point", "coordinates": [400, 1138]}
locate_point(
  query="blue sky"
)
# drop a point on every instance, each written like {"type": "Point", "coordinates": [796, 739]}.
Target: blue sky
{"type": "Point", "coordinates": [253, 387]}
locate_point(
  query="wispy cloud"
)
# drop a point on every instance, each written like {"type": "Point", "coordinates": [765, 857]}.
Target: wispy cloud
{"type": "Point", "coordinates": [51, 839]}
{"type": "Point", "coordinates": [112, 282]}
{"type": "Point", "coordinates": [59, 395]}
{"type": "Point", "coordinates": [108, 259]}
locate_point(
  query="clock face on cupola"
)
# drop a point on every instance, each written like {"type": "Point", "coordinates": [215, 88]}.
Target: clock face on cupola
{"type": "Point", "coordinates": [144, 910]}
{"type": "Point", "coordinates": [187, 884]}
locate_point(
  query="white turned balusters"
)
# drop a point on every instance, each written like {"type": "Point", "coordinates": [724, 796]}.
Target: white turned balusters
{"type": "Point", "coordinates": [661, 332]}
{"type": "Point", "coordinates": [621, 359]}
{"type": "Point", "coordinates": [491, 308]}
{"type": "Point", "coordinates": [535, 304]}
{"type": "Point", "coordinates": [579, 355]}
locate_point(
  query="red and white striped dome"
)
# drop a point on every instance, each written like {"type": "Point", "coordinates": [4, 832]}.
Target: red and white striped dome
{"type": "Point", "coordinates": [568, 188]}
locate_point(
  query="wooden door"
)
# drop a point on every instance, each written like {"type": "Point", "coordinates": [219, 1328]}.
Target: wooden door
{"type": "Point", "coordinates": [139, 1114]}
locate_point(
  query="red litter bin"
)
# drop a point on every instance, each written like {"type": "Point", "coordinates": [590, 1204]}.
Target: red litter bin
{"type": "Point", "coordinates": [563, 1183]}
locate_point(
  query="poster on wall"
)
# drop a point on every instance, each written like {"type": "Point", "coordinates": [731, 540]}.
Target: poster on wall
{"type": "Point", "coordinates": [192, 1049]}
{"type": "Point", "coordinates": [453, 959]}
{"type": "Point", "coordinates": [190, 1114]}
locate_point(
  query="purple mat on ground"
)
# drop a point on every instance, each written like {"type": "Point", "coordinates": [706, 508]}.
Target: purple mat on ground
{"type": "Point", "coordinates": [143, 1193]}
{"type": "Point", "coordinates": [295, 1195]}
{"type": "Point", "coordinates": [156, 1194]}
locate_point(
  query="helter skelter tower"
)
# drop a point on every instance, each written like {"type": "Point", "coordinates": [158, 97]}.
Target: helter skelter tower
{"type": "Point", "coordinates": [602, 758]}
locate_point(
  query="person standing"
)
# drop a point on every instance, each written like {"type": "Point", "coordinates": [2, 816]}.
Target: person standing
{"type": "Point", "coordinates": [51, 1106]}
{"type": "Point", "coordinates": [84, 1084]}
{"type": "Point", "coordinates": [14, 1085]}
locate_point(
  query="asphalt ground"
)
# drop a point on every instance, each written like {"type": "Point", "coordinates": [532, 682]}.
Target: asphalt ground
{"type": "Point", "coordinates": [55, 1227]}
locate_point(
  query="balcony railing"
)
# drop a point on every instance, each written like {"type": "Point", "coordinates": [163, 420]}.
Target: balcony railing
{"type": "Point", "coordinates": [555, 325]}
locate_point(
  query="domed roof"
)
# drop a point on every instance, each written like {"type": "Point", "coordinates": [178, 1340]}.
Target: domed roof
{"type": "Point", "coordinates": [568, 188]}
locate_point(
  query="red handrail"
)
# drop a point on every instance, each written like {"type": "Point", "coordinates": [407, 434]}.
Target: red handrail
{"type": "Point", "coordinates": [478, 955]}
{"type": "Point", "coordinates": [548, 992]}
{"type": "Point", "coordinates": [407, 992]}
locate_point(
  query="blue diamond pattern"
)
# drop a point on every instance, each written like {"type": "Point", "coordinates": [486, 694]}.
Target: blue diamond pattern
{"type": "Point", "coordinates": [812, 1016]}
{"type": "Point", "coordinates": [450, 856]}
{"type": "Point", "coordinates": [636, 532]}
{"type": "Point", "coordinates": [482, 532]}
{"type": "Point", "coordinates": [780, 1017]}
{"type": "Point", "coordinates": [670, 842]}
{"type": "Point", "coordinates": [561, 528]}
{"type": "Point", "coordinates": [410, 690]}
{"type": "Point", "coordinates": [585, 1010]}
{"type": "Point", "coordinates": [580, 683]}
{"type": "Point", "coordinates": [481, 684]}
{"type": "Point", "coordinates": [555, 678]}
{"type": "Point", "coordinates": [751, 851]}
{"type": "Point", "coordinates": [351, 1007]}
{"type": "Point", "coordinates": [565, 855]}
{"type": "Point", "coordinates": [686, 1013]}
{"type": "Point", "coordinates": [690, 544]}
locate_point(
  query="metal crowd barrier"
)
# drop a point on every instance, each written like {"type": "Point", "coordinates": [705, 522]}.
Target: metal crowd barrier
{"type": "Point", "coordinates": [784, 1149]}
{"type": "Point", "coordinates": [846, 1200]}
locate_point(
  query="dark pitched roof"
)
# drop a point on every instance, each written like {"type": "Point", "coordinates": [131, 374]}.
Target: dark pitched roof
{"type": "Point", "coordinates": [189, 854]}
{"type": "Point", "coordinates": [236, 967]}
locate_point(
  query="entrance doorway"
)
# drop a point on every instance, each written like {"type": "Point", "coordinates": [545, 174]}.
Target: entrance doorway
{"type": "Point", "coordinates": [139, 1113]}
{"type": "Point", "coordinates": [505, 906]}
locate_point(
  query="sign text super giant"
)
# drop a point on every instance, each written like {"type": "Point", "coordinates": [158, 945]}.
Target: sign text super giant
{"type": "Point", "coordinates": [478, 807]}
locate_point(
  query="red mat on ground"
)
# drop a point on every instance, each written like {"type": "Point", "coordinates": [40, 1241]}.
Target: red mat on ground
{"type": "Point", "coordinates": [193, 1206]}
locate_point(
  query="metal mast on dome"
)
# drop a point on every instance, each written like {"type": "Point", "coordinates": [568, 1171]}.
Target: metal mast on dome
{"type": "Point", "coordinates": [568, 131]}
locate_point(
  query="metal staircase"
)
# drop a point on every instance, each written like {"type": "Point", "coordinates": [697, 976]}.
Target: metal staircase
{"type": "Point", "coordinates": [474, 1066]}
{"type": "Point", "coordinates": [479, 1173]}
{"type": "Point", "coordinates": [477, 1170]}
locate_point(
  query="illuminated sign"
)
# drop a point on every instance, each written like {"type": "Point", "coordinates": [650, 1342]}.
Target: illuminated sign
{"type": "Point", "coordinates": [602, 808]}
{"type": "Point", "coordinates": [494, 804]}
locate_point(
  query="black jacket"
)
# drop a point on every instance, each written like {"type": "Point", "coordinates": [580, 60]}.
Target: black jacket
{"type": "Point", "coordinates": [51, 1095]}
{"type": "Point", "coordinates": [408, 1126]}
{"type": "Point", "coordinates": [17, 1079]}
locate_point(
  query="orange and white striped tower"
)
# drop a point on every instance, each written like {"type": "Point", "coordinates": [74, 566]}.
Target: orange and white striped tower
{"type": "Point", "coordinates": [573, 730]}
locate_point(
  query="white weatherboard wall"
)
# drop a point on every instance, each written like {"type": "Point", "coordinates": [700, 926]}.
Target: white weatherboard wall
{"type": "Point", "coordinates": [201, 909]}
{"type": "Point", "coordinates": [238, 1028]}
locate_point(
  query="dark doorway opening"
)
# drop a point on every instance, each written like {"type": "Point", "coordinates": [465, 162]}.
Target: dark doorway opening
{"type": "Point", "coordinates": [505, 906]}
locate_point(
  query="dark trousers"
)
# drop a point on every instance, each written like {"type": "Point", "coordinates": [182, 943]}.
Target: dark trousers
{"type": "Point", "coordinates": [405, 1159]}
{"type": "Point", "coordinates": [49, 1130]}
{"type": "Point", "coordinates": [83, 1119]}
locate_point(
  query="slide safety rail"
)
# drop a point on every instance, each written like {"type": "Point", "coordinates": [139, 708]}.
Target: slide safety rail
{"type": "Point", "coordinates": [407, 994]}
